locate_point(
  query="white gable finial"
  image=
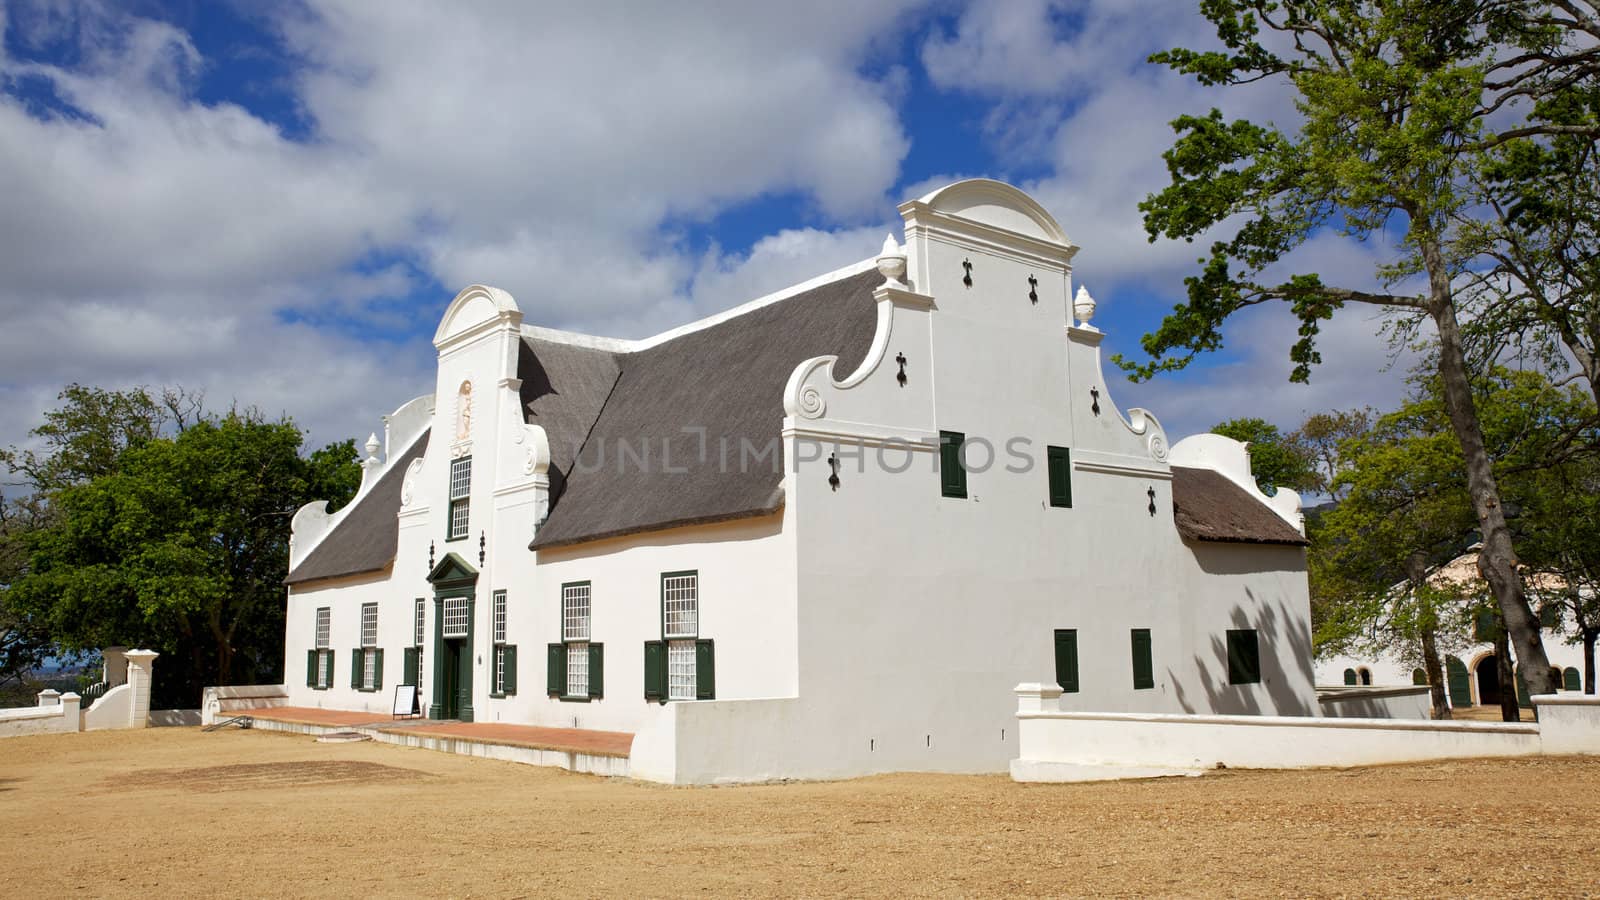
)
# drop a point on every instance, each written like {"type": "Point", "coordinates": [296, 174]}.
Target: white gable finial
{"type": "Point", "coordinates": [891, 261]}
{"type": "Point", "coordinates": [1083, 308]}
{"type": "Point", "coordinates": [372, 445]}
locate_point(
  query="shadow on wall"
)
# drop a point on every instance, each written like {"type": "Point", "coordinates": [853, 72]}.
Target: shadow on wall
{"type": "Point", "coordinates": [1279, 640]}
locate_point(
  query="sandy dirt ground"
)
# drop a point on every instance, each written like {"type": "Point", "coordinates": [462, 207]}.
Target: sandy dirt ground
{"type": "Point", "coordinates": [175, 812]}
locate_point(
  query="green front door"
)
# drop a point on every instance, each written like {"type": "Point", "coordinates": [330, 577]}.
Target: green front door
{"type": "Point", "coordinates": [450, 695]}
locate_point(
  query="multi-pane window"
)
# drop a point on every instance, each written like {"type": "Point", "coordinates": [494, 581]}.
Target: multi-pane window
{"type": "Point", "coordinates": [680, 617]}
{"type": "Point", "coordinates": [413, 653]}
{"type": "Point", "coordinates": [498, 632]}
{"type": "Point", "coordinates": [575, 608]}
{"type": "Point", "coordinates": [322, 657]}
{"type": "Point", "coordinates": [369, 644]}
{"type": "Point", "coordinates": [680, 666]}
{"type": "Point", "coordinates": [455, 617]}
{"type": "Point", "coordinates": [680, 670]}
{"type": "Point", "coordinates": [680, 611]}
{"type": "Point", "coordinates": [460, 502]}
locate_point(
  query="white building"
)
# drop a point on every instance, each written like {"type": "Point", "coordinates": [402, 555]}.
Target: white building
{"type": "Point", "coordinates": [1471, 672]}
{"type": "Point", "coordinates": [821, 534]}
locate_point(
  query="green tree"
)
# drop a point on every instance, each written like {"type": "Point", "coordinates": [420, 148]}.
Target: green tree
{"type": "Point", "coordinates": [1407, 508]}
{"type": "Point", "coordinates": [1320, 439]}
{"type": "Point", "coordinates": [1395, 99]}
{"type": "Point", "coordinates": [181, 546]}
{"type": "Point", "coordinates": [1277, 460]}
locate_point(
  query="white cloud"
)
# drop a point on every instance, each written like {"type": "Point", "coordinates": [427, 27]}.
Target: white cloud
{"type": "Point", "coordinates": [150, 238]}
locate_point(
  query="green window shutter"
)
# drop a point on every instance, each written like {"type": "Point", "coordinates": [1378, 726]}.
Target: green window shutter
{"type": "Point", "coordinates": [311, 668]}
{"type": "Point", "coordinates": [655, 671]}
{"type": "Point", "coordinates": [409, 663]}
{"type": "Point", "coordinates": [1058, 463]}
{"type": "Point", "coordinates": [1418, 676]}
{"type": "Point", "coordinates": [1244, 656]}
{"type": "Point", "coordinates": [510, 686]}
{"type": "Point", "coordinates": [1550, 616]}
{"type": "Point", "coordinates": [1459, 682]}
{"type": "Point", "coordinates": [1067, 659]}
{"type": "Point", "coordinates": [555, 673]}
{"type": "Point", "coordinates": [1571, 680]}
{"type": "Point", "coordinates": [705, 670]}
{"type": "Point", "coordinates": [952, 477]}
{"type": "Point", "coordinates": [355, 668]}
{"type": "Point", "coordinates": [1522, 688]}
{"type": "Point", "coordinates": [331, 669]}
{"type": "Point", "coordinates": [377, 670]}
{"type": "Point", "coordinates": [597, 671]}
{"type": "Point", "coordinates": [1350, 677]}
{"type": "Point", "coordinates": [1144, 676]}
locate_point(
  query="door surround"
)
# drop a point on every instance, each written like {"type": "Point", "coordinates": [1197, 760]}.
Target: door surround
{"type": "Point", "coordinates": [453, 578]}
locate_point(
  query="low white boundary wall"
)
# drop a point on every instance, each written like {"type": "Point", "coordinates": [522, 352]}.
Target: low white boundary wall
{"type": "Point", "coordinates": [56, 713]}
{"type": "Point", "coordinates": [1088, 746]}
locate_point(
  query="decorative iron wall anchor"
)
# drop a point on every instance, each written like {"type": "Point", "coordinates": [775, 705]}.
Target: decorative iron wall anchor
{"type": "Point", "coordinates": [901, 377]}
{"type": "Point", "coordinates": [481, 542]}
{"type": "Point", "coordinates": [967, 278]}
{"type": "Point", "coordinates": [1094, 398]}
{"type": "Point", "coordinates": [833, 471]}
{"type": "Point", "coordinates": [1152, 492]}
{"type": "Point", "coordinates": [1033, 290]}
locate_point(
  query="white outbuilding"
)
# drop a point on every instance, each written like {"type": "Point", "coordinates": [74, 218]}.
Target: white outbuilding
{"type": "Point", "coordinates": [821, 534]}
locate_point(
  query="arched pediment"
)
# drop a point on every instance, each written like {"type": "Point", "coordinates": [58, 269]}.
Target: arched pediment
{"type": "Point", "coordinates": [997, 204]}
{"type": "Point", "coordinates": [474, 306]}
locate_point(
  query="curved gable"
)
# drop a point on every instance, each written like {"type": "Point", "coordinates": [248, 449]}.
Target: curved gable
{"type": "Point", "coordinates": [999, 205]}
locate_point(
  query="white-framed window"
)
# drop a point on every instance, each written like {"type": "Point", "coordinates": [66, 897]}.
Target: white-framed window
{"type": "Point", "coordinates": [460, 501]}
{"type": "Point", "coordinates": [576, 606]}
{"type": "Point", "coordinates": [680, 625]}
{"type": "Point", "coordinates": [455, 617]}
{"type": "Point", "coordinates": [680, 605]}
{"type": "Point", "coordinates": [499, 634]}
{"type": "Point", "coordinates": [421, 633]}
{"type": "Point", "coordinates": [681, 674]}
{"type": "Point", "coordinates": [369, 644]}
{"type": "Point", "coordinates": [324, 674]}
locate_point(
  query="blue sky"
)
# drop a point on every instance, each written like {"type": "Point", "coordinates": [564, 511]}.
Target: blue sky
{"type": "Point", "coordinates": [273, 203]}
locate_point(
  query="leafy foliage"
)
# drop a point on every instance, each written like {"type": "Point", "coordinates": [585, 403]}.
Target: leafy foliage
{"type": "Point", "coordinates": [1404, 107]}
{"type": "Point", "coordinates": [178, 543]}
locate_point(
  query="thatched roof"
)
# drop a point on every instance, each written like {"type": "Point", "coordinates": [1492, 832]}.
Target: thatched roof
{"type": "Point", "coordinates": [365, 540]}
{"type": "Point", "coordinates": [1209, 507]}
{"type": "Point", "coordinates": [726, 379]}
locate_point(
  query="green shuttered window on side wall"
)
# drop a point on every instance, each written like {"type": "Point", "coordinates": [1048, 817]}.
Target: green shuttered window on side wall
{"type": "Point", "coordinates": [952, 474]}
{"type": "Point", "coordinates": [412, 655]}
{"type": "Point", "coordinates": [1144, 676]}
{"type": "Point", "coordinates": [1244, 656]}
{"type": "Point", "coordinates": [655, 670]}
{"type": "Point", "coordinates": [1067, 659]}
{"type": "Point", "coordinates": [1058, 465]}
{"type": "Point", "coordinates": [556, 670]}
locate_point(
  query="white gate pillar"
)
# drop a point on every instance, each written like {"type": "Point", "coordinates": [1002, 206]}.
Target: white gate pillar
{"type": "Point", "coordinates": [141, 668]}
